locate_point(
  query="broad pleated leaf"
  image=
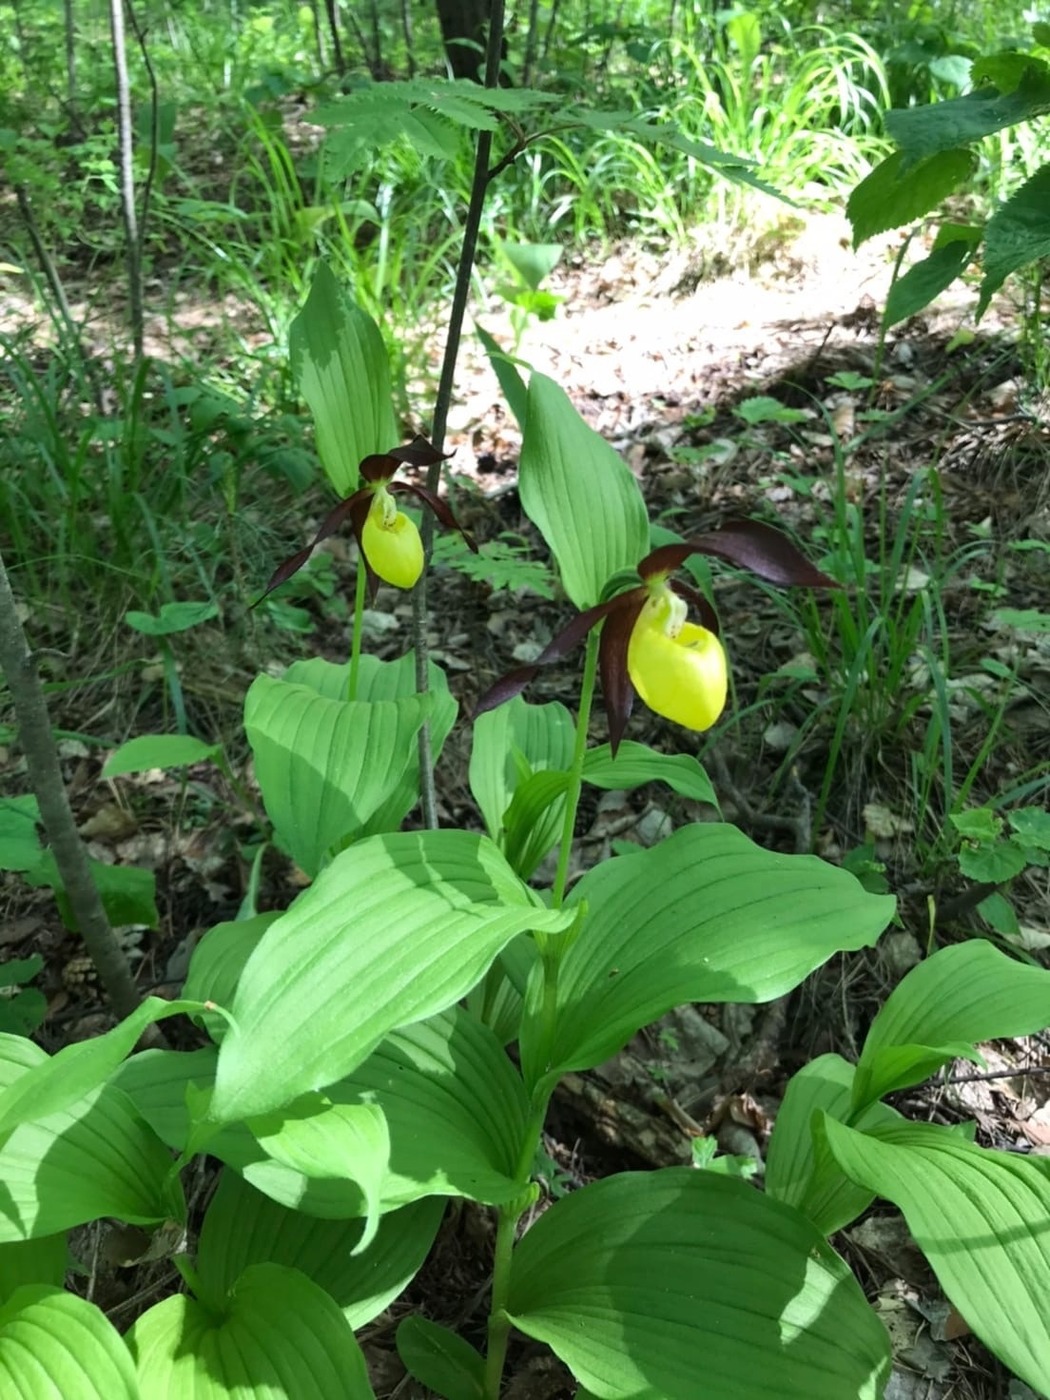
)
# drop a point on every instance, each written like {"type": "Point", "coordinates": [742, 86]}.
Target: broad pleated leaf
{"type": "Point", "coordinates": [325, 767]}
{"type": "Point", "coordinates": [394, 930]}
{"type": "Point", "coordinates": [244, 1227]}
{"type": "Point", "coordinates": [56, 1081]}
{"type": "Point", "coordinates": [55, 1344]}
{"type": "Point", "coordinates": [440, 1359]}
{"type": "Point", "coordinates": [96, 1156]}
{"type": "Point", "coordinates": [980, 1218]}
{"type": "Point", "coordinates": [455, 1106]}
{"type": "Point", "coordinates": [514, 388]}
{"type": "Point", "coordinates": [279, 1335]}
{"type": "Point", "coordinates": [332, 1142]}
{"type": "Point", "coordinates": [580, 494]}
{"type": "Point", "coordinates": [800, 1170]}
{"type": "Point", "coordinates": [509, 741]}
{"type": "Point", "coordinates": [671, 1284]}
{"type": "Point", "coordinates": [955, 999]}
{"type": "Point", "coordinates": [705, 916]}
{"type": "Point", "coordinates": [32, 1261]}
{"type": "Point", "coordinates": [216, 964]}
{"type": "Point", "coordinates": [340, 364]}
{"type": "Point", "coordinates": [159, 751]}
{"type": "Point", "coordinates": [386, 680]}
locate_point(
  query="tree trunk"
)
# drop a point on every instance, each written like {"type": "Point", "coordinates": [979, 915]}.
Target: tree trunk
{"type": "Point", "coordinates": [463, 27]}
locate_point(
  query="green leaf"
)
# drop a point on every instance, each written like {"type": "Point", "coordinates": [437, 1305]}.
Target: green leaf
{"type": "Point", "coordinates": [921, 131]}
{"type": "Point", "coordinates": [992, 864]}
{"type": "Point", "coordinates": [580, 495]}
{"type": "Point", "coordinates": [243, 1227]}
{"type": "Point", "coordinates": [646, 1282]}
{"type": "Point", "coordinates": [456, 1108]}
{"type": "Point", "coordinates": [800, 1170]}
{"type": "Point", "coordinates": [1032, 826]}
{"type": "Point", "coordinates": [764, 409]}
{"type": "Point", "coordinates": [53, 1343]}
{"type": "Point", "coordinates": [384, 681]}
{"type": "Point", "coordinates": [705, 916]}
{"type": "Point", "coordinates": [36, 1261]}
{"type": "Point", "coordinates": [533, 262]}
{"type": "Point", "coordinates": [897, 192]}
{"type": "Point", "coordinates": [514, 737]}
{"type": "Point", "coordinates": [279, 1334]}
{"type": "Point", "coordinates": [1005, 69]}
{"type": "Point", "coordinates": [999, 914]}
{"type": "Point", "coordinates": [1018, 233]}
{"type": "Point", "coordinates": [331, 1141]}
{"type": "Point", "coordinates": [173, 617]}
{"type": "Point", "coordinates": [93, 1157]}
{"type": "Point", "coordinates": [636, 764]}
{"type": "Point", "coordinates": [925, 281]}
{"type": "Point", "coordinates": [159, 751]}
{"type": "Point", "coordinates": [960, 996]}
{"type": "Point", "coordinates": [1024, 619]}
{"type": "Point", "coordinates": [515, 390]}
{"type": "Point", "coordinates": [340, 364]}
{"type": "Point", "coordinates": [440, 1359]}
{"type": "Point", "coordinates": [17, 971]}
{"type": "Point", "coordinates": [980, 1218]}
{"type": "Point", "coordinates": [19, 844]}
{"type": "Point", "coordinates": [977, 824]}
{"type": "Point", "coordinates": [217, 962]}
{"type": "Point", "coordinates": [394, 930]}
{"type": "Point", "coordinates": [128, 893]}
{"type": "Point", "coordinates": [325, 767]}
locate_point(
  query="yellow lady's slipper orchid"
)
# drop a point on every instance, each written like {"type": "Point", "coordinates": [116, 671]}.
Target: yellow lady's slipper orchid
{"type": "Point", "coordinates": [678, 668]}
{"type": "Point", "coordinates": [648, 647]}
{"type": "Point", "coordinates": [391, 542]}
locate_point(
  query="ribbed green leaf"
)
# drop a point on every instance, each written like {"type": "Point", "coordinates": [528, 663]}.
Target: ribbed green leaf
{"type": "Point", "coordinates": [244, 1227]}
{"type": "Point", "coordinates": [340, 363]}
{"type": "Point", "coordinates": [279, 1335]}
{"type": "Point", "coordinates": [955, 999]}
{"type": "Point", "coordinates": [216, 964]}
{"type": "Point", "coordinates": [668, 1285]}
{"type": "Point", "coordinates": [507, 742]}
{"type": "Point", "coordinates": [800, 1170]}
{"type": "Point", "coordinates": [705, 916]}
{"type": "Point", "coordinates": [580, 495]}
{"type": "Point", "coordinates": [981, 1218]}
{"type": "Point", "coordinates": [32, 1261]}
{"type": "Point", "coordinates": [393, 930]}
{"type": "Point", "coordinates": [54, 1344]}
{"type": "Point", "coordinates": [325, 767]}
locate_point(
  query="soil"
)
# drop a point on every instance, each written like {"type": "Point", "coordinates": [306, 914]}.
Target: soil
{"type": "Point", "coordinates": [662, 361]}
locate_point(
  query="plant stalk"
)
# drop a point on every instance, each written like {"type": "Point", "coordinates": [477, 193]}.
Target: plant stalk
{"type": "Point", "coordinates": [572, 795]}
{"type": "Point", "coordinates": [355, 640]}
{"type": "Point", "coordinates": [471, 227]}
{"type": "Point", "coordinates": [127, 175]}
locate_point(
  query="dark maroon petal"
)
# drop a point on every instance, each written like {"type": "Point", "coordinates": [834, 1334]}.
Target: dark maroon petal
{"type": "Point", "coordinates": [665, 560]}
{"type": "Point", "coordinates": [419, 453]}
{"type": "Point", "coordinates": [698, 603]}
{"type": "Point", "coordinates": [765, 551]}
{"type": "Point", "coordinates": [378, 466]}
{"type": "Point", "coordinates": [332, 521]}
{"type": "Point", "coordinates": [612, 659]}
{"type": "Point", "coordinates": [437, 505]}
{"type": "Point", "coordinates": [513, 683]}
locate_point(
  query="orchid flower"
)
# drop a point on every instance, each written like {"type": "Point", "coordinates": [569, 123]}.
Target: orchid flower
{"type": "Point", "coordinates": [389, 541]}
{"type": "Point", "coordinates": [649, 648]}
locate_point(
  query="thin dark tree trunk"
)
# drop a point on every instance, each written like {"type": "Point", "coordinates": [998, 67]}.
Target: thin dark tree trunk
{"type": "Point", "coordinates": [376, 64]}
{"type": "Point", "coordinates": [71, 54]}
{"type": "Point", "coordinates": [463, 27]}
{"type": "Point", "coordinates": [45, 775]}
{"type": "Point", "coordinates": [127, 175]}
{"type": "Point", "coordinates": [531, 42]}
{"type": "Point", "coordinates": [406, 25]}
{"type": "Point", "coordinates": [333, 29]}
{"type": "Point", "coordinates": [549, 36]}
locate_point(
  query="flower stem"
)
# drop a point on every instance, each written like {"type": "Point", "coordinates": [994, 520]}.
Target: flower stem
{"type": "Point", "coordinates": [572, 795]}
{"type": "Point", "coordinates": [355, 636]}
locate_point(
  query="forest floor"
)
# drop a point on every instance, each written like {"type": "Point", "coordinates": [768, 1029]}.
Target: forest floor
{"type": "Point", "coordinates": [663, 360]}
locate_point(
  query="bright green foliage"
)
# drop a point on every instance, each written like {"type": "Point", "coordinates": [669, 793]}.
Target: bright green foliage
{"type": "Point", "coordinates": [54, 1343]}
{"type": "Point", "coordinates": [440, 1359]}
{"type": "Point", "coordinates": [159, 751]}
{"type": "Point", "coordinates": [746, 1292]}
{"type": "Point", "coordinates": [898, 191]}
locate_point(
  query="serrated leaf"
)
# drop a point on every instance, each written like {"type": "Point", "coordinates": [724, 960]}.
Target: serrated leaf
{"type": "Point", "coordinates": [1018, 233]}
{"type": "Point", "coordinates": [704, 916]}
{"type": "Point", "coordinates": [924, 282]}
{"type": "Point", "coordinates": [897, 193]}
{"type": "Point", "coordinates": [1032, 826]}
{"type": "Point", "coordinates": [980, 1219]}
{"type": "Point", "coordinates": [977, 823]}
{"type": "Point", "coordinates": [55, 1344]}
{"type": "Point", "coordinates": [279, 1334]}
{"type": "Point", "coordinates": [393, 930]}
{"type": "Point", "coordinates": [440, 1359]}
{"type": "Point", "coordinates": [340, 363]}
{"type": "Point", "coordinates": [159, 751]}
{"type": "Point", "coordinates": [800, 1170]}
{"type": "Point", "coordinates": [638, 1281]}
{"type": "Point", "coordinates": [992, 864]}
{"type": "Point", "coordinates": [921, 131]}
{"type": "Point", "coordinates": [580, 494]}
{"type": "Point", "coordinates": [953, 1000]}
{"type": "Point", "coordinates": [244, 1227]}
{"type": "Point", "coordinates": [326, 766]}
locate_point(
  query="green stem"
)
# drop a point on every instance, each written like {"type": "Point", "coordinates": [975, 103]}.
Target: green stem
{"type": "Point", "coordinates": [355, 636]}
{"type": "Point", "coordinates": [572, 795]}
{"type": "Point", "coordinates": [499, 1322]}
